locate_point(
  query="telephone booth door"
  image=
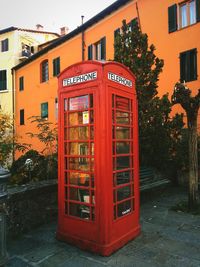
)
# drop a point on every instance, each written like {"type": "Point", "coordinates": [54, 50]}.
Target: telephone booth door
{"type": "Point", "coordinates": [98, 199]}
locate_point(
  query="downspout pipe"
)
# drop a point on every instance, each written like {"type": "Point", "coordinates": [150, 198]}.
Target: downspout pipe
{"type": "Point", "coordinates": [83, 41]}
{"type": "Point", "coordinates": [13, 112]}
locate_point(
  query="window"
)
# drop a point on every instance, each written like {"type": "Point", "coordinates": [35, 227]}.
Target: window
{"type": "Point", "coordinates": [3, 80]}
{"type": "Point", "coordinates": [187, 14]}
{"type": "Point", "coordinates": [56, 66]}
{"type": "Point", "coordinates": [44, 110]}
{"type": "Point", "coordinates": [98, 50]}
{"type": "Point", "coordinates": [21, 117]}
{"type": "Point", "coordinates": [44, 71]}
{"type": "Point", "coordinates": [21, 83]}
{"type": "Point", "coordinates": [4, 45]}
{"type": "Point", "coordinates": [188, 65]}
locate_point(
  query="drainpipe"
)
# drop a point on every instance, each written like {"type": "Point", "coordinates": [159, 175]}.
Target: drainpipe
{"type": "Point", "coordinates": [13, 110]}
{"type": "Point", "coordinates": [138, 15]}
{"type": "Point", "coordinates": [83, 41]}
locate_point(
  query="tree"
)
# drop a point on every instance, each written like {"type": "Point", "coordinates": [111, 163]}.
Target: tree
{"type": "Point", "coordinates": [8, 141]}
{"type": "Point", "coordinates": [132, 49]}
{"type": "Point", "coordinates": [191, 104]}
{"type": "Point", "coordinates": [47, 135]}
{"type": "Point", "coordinates": [155, 125]}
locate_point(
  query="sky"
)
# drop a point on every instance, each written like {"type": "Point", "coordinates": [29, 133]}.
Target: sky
{"type": "Point", "coordinates": [51, 14]}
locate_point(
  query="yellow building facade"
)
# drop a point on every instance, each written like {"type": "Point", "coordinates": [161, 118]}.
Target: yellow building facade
{"type": "Point", "coordinates": [16, 45]}
{"type": "Point", "coordinates": [172, 26]}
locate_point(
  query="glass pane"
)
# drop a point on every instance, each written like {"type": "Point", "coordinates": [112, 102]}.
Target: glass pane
{"type": "Point", "coordinates": [122, 162]}
{"type": "Point", "coordinates": [122, 177]}
{"type": "Point", "coordinates": [92, 165]}
{"type": "Point", "coordinates": [78, 178]}
{"type": "Point", "coordinates": [124, 208]}
{"type": "Point", "coordinates": [79, 149]}
{"type": "Point", "coordinates": [122, 103]}
{"type": "Point", "coordinates": [66, 178]}
{"type": "Point", "coordinates": [93, 197]}
{"type": "Point", "coordinates": [91, 132]}
{"type": "Point", "coordinates": [91, 101]}
{"type": "Point", "coordinates": [66, 193]}
{"type": "Point", "coordinates": [123, 193]}
{"type": "Point", "coordinates": [93, 214]}
{"type": "Point", "coordinates": [183, 11]}
{"type": "Point", "coordinates": [65, 104]}
{"type": "Point", "coordinates": [80, 102]}
{"type": "Point", "coordinates": [122, 117]}
{"type": "Point", "coordinates": [81, 164]}
{"type": "Point", "coordinates": [92, 149]}
{"type": "Point", "coordinates": [79, 117]}
{"type": "Point", "coordinates": [79, 194]}
{"type": "Point", "coordinates": [122, 133]}
{"type": "Point", "coordinates": [65, 134]}
{"type": "Point", "coordinates": [79, 210]}
{"type": "Point", "coordinates": [91, 117]}
{"type": "Point", "coordinates": [122, 147]}
{"type": "Point", "coordinates": [65, 119]}
{"type": "Point", "coordinates": [79, 133]}
{"type": "Point", "coordinates": [92, 181]}
{"type": "Point", "coordinates": [192, 12]}
{"type": "Point", "coordinates": [66, 208]}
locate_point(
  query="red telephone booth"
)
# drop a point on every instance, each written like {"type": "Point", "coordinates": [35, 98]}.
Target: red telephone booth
{"type": "Point", "coordinates": [98, 186]}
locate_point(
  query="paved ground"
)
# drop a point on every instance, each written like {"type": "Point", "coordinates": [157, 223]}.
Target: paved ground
{"type": "Point", "coordinates": [168, 239]}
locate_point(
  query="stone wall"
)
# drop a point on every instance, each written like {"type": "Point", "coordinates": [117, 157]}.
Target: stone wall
{"type": "Point", "coordinates": [30, 206]}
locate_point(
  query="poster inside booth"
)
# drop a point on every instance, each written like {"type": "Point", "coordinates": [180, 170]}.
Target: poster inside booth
{"type": "Point", "coordinates": [98, 185]}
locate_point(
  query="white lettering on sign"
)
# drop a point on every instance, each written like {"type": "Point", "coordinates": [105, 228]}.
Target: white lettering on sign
{"type": "Point", "coordinates": [118, 79]}
{"type": "Point", "coordinates": [80, 79]}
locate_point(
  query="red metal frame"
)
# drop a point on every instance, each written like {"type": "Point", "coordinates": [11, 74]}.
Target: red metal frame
{"type": "Point", "coordinates": [99, 201]}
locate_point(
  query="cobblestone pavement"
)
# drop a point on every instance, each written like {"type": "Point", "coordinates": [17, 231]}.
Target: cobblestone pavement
{"type": "Point", "coordinates": [168, 239]}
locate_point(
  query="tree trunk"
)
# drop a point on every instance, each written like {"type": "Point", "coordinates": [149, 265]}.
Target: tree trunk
{"type": "Point", "coordinates": [193, 165]}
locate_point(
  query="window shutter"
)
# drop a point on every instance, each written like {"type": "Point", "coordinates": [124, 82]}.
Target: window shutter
{"type": "Point", "coordinates": [103, 48]}
{"type": "Point", "coordinates": [90, 52]}
{"type": "Point", "coordinates": [21, 83]}
{"type": "Point", "coordinates": [116, 32]}
{"type": "Point", "coordinates": [56, 66]}
{"type": "Point", "coordinates": [193, 65]}
{"type": "Point", "coordinates": [198, 10]}
{"type": "Point", "coordinates": [188, 65]}
{"type": "Point", "coordinates": [21, 116]}
{"type": "Point", "coordinates": [172, 18]}
{"type": "Point", "coordinates": [44, 110]}
{"type": "Point", "coordinates": [3, 80]}
{"type": "Point", "coordinates": [182, 67]}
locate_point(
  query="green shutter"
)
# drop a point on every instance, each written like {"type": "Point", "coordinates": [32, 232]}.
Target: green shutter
{"type": "Point", "coordinates": [21, 83]}
{"type": "Point", "coordinates": [21, 116]}
{"type": "Point", "coordinates": [193, 64]}
{"type": "Point", "coordinates": [90, 52]}
{"type": "Point", "coordinates": [172, 18]}
{"type": "Point", "coordinates": [116, 32]}
{"type": "Point", "coordinates": [3, 80]}
{"type": "Point", "coordinates": [182, 67]}
{"type": "Point", "coordinates": [103, 48]}
{"type": "Point", "coordinates": [188, 65]}
{"type": "Point", "coordinates": [56, 66]}
{"type": "Point", "coordinates": [198, 10]}
{"type": "Point", "coordinates": [44, 110]}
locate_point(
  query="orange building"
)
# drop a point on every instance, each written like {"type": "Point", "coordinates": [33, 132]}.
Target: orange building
{"type": "Point", "coordinates": [172, 26]}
